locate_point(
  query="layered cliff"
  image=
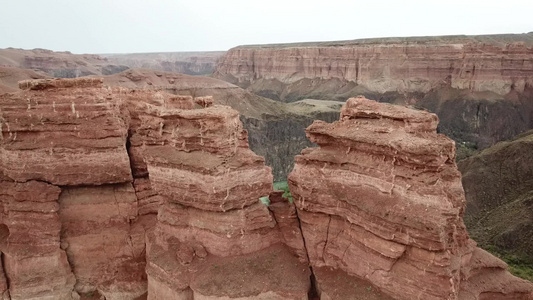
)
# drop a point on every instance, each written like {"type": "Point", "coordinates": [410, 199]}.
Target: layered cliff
{"type": "Point", "coordinates": [133, 194]}
{"type": "Point", "coordinates": [381, 199]}
{"type": "Point", "coordinates": [73, 224]}
{"type": "Point", "coordinates": [275, 130]}
{"type": "Point", "coordinates": [85, 170]}
{"type": "Point", "coordinates": [488, 78]}
{"type": "Point", "coordinates": [214, 239]}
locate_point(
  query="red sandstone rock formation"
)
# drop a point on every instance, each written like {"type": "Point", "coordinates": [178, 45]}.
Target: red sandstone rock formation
{"type": "Point", "coordinates": [73, 220]}
{"type": "Point", "coordinates": [199, 161]}
{"type": "Point", "coordinates": [84, 171]}
{"type": "Point", "coordinates": [381, 199]}
{"type": "Point", "coordinates": [489, 79]}
{"type": "Point", "coordinates": [211, 218]}
{"type": "Point", "coordinates": [479, 63]}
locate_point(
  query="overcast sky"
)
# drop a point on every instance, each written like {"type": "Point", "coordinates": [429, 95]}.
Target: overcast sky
{"type": "Point", "coordinates": [125, 26]}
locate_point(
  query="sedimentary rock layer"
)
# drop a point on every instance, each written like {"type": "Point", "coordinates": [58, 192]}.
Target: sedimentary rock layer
{"type": "Point", "coordinates": [72, 222]}
{"type": "Point", "coordinates": [381, 199]}
{"type": "Point", "coordinates": [497, 64]}
{"type": "Point", "coordinates": [33, 262]}
{"type": "Point", "coordinates": [104, 239]}
{"type": "Point", "coordinates": [211, 218]}
{"type": "Point", "coordinates": [275, 130]}
{"type": "Point", "coordinates": [486, 78]}
{"type": "Point", "coordinates": [70, 133]}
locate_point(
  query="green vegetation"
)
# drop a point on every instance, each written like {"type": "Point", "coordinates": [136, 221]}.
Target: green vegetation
{"type": "Point", "coordinates": [520, 266]}
{"type": "Point", "coordinates": [283, 186]}
{"type": "Point", "coordinates": [465, 150]}
{"type": "Point", "coordinates": [265, 200]}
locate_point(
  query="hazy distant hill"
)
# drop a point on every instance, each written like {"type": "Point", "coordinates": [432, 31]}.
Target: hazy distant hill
{"type": "Point", "coordinates": [190, 63]}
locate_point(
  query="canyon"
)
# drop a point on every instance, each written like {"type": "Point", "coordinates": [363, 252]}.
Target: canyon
{"type": "Point", "coordinates": [479, 86]}
{"type": "Point", "coordinates": [127, 193]}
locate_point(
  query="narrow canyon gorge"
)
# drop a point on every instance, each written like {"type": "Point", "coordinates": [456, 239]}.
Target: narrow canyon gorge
{"type": "Point", "coordinates": [121, 193]}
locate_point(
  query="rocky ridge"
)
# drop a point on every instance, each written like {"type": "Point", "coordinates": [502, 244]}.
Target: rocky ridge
{"type": "Point", "coordinates": [381, 199]}
{"type": "Point", "coordinates": [128, 194]}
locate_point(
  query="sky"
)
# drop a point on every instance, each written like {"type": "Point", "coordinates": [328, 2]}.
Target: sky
{"type": "Point", "coordinates": [129, 26]}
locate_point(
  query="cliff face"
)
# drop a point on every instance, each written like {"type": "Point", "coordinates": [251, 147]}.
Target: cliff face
{"type": "Point", "coordinates": [72, 216]}
{"type": "Point", "coordinates": [133, 194]}
{"type": "Point", "coordinates": [212, 233]}
{"type": "Point", "coordinates": [381, 199]}
{"type": "Point", "coordinates": [275, 130]}
{"type": "Point", "coordinates": [487, 77]}
{"type": "Point", "coordinates": [85, 170]}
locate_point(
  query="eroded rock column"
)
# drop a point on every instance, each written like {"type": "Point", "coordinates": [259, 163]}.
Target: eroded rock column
{"type": "Point", "coordinates": [381, 199]}
{"type": "Point", "coordinates": [214, 239]}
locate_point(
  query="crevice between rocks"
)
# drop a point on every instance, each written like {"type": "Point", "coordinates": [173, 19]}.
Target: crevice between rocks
{"type": "Point", "coordinates": [313, 292]}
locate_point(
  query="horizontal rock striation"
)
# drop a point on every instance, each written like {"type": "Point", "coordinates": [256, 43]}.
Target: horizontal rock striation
{"type": "Point", "coordinates": [73, 223]}
{"type": "Point", "coordinates": [497, 64]}
{"type": "Point", "coordinates": [486, 78]}
{"type": "Point", "coordinates": [70, 133]}
{"type": "Point", "coordinates": [275, 130]}
{"type": "Point", "coordinates": [34, 264]}
{"type": "Point", "coordinates": [381, 199]}
{"type": "Point", "coordinates": [211, 217]}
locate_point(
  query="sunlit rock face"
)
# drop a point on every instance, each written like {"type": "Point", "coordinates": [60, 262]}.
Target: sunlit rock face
{"type": "Point", "coordinates": [381, 199]}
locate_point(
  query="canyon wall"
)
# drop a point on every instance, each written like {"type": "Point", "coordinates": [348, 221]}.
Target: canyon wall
{"type": "Point", "coordinates": [486, 78]}
{"type": "Point", "coordinates": [381, 199]}
{"type": "Point", "coordinates": [72, 219]}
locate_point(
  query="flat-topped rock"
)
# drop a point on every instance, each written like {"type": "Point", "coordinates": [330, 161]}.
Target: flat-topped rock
{"type": "Point", "coordinates": [43, 84]}
{"type": "Point", "coordinates": [381, 199]}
